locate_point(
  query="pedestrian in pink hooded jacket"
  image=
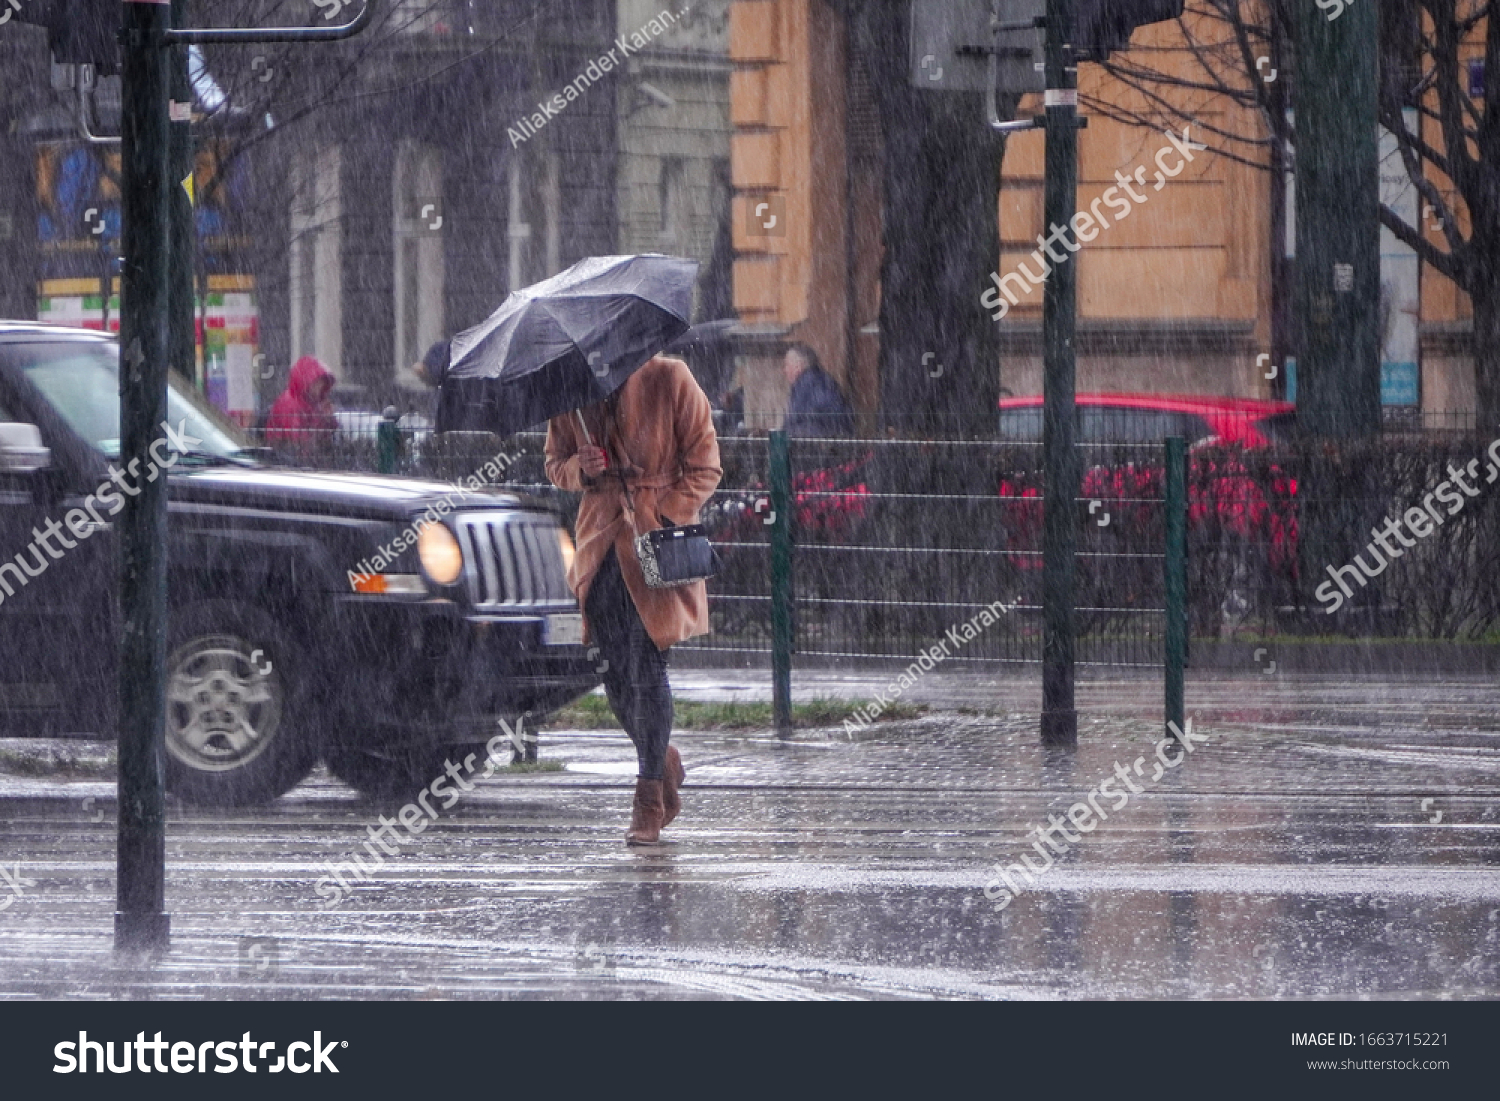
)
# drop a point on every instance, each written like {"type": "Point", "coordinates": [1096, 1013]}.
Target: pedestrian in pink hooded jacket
{"type": "Point", "coordinates": [304, 411]}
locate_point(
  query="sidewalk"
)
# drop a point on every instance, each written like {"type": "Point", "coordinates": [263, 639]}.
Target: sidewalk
{"type": "Point", "coordinates": [1330, 838]}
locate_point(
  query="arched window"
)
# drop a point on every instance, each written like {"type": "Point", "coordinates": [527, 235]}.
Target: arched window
{"type": "Point", "coordinates": [418, 226]}
{"type": "Point", "coordinates": [534, 215]}
{"type": "Point", "coordinates": [317, 257]}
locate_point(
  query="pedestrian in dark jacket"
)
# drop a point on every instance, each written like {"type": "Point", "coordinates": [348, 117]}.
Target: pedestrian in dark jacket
{"type": "Point", "coordinates": [434, 365]}
{"type": "Point", "coordinates": [816, 406]}
{"type": "Point", "coordinates": [430, 369]}
{"type": "Point", "coordinates": [461, 404]}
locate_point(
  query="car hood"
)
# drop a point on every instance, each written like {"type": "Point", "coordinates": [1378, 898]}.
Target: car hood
{"type": "Point", "coordinates": [366, 496]}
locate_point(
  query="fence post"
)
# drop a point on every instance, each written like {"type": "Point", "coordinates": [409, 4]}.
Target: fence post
{"type": "Point", "coordinates": [387, 441]}
{"type": "Point", "coordinates": [1060, 457]}
{"type": "Point", "coordinates": [782, 640]}
{"type": "Point", "coordinates": [1176, 577]}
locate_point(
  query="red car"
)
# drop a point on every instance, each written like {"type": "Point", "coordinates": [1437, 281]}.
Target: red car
{"type": "Point", "coordinates": [1149, 418]}
{"type": "Point", "coordinates": [1224, 497]}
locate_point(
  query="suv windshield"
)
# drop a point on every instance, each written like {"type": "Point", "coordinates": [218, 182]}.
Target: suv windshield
{"type": "Point", "coordinates": [82, 382]}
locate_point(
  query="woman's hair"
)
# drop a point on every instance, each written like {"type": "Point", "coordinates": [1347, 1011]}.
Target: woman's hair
{"type": "Point", "coordinates": [806, 354]}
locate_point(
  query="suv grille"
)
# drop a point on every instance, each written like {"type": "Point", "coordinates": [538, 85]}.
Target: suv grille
{"type": "Point", "coordinates": [512, 558]}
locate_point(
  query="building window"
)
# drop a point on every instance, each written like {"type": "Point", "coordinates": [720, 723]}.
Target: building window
{"type": "Point", "coordinates": [418, 227]}
{"type": "Point", "coordinates": [534, 216]}
{"type": "Point", "coordinates": [671, 193]}
{"type": "Point", "coordinates": [316, 257]}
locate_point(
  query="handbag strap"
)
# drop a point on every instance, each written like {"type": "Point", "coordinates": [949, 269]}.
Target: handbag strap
{"type": "Point", "coordinates": [628, 485]}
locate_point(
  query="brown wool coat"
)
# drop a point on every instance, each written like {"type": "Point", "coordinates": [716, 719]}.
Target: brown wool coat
{"type": "Point", "coordinates": [661, 434]}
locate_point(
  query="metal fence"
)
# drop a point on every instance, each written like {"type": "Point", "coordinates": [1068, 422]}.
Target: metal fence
{"type": "Point", "coordinates": [1269, 531]}
{"type": "Point", "coordinates": [898, 544]}
{"type": "Point", "coordinates": [901, 545]}
{"type": "Point", "coordinates": [897, 541]}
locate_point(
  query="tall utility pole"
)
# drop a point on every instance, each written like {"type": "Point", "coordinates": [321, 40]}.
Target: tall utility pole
{"type": "Point", "coordinates": [146, 300]}
{"type": "Point", "coordinates": [1072, 29]}
{"type": "Point", "coordinates": [1338, 225]}
{"type": "Point", "coordinates": [1059, 362]}
{"type": "Point", "coordinates": [141, 920]}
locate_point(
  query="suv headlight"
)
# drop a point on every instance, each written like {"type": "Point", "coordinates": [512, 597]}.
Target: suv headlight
{"type": "Point", "coordinates": [565, 544]}
{"type": "Point", "coordinates": [441, 557]}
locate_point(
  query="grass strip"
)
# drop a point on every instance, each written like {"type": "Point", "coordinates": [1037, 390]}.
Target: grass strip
{"type": "Point", "coordinates": [592, 713]}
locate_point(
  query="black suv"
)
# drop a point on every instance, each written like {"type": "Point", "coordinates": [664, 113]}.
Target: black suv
{"type": "Point", "coordinates": [291, 637]}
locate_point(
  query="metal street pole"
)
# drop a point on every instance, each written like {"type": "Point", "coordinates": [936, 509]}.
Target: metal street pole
{"type": "Point", "coordinates": [141, 920]}
{"type": "Point", "coordinates": [1059, 423]}
{"type": "Point", "coordinates": [1337, 292]}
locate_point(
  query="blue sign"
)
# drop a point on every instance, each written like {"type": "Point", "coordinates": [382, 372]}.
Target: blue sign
{"type": "Point", "coordinates": [1398, 384]}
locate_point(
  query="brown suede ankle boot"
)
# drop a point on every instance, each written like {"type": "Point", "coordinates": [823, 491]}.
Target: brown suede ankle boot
{"type": "Point", "coordinates": [671, 779]}
{"type": "Point", "coordinates": [645, 813]}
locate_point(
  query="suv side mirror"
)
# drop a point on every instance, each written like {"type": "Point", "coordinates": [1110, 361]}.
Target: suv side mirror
{"type": "Point", "coordinates": [21, 450]}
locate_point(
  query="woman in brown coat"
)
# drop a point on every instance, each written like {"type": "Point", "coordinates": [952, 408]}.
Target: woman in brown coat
{"type": "Point", "coordinates": [650, 458]}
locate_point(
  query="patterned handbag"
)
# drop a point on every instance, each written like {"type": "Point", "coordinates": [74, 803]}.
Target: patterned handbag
{"type": "Point", "coordinates": [676, 555]}
{"type": "Point", "coordinates": [669, 556]}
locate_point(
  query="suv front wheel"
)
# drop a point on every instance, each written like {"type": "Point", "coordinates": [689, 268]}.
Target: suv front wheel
{"type": "Point", "coordinates": [238, 729]}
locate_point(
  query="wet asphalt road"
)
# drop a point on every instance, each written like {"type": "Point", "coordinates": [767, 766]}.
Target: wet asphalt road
{"type": "Point", "coordinates": [1334, 837]}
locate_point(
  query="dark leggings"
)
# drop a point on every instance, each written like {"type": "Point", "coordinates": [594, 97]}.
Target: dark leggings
{"type": "Point", "coordinates": [635, 678]}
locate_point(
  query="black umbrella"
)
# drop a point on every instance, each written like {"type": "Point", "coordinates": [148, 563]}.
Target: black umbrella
{"type": "Point", "coordinates": [565, 342]}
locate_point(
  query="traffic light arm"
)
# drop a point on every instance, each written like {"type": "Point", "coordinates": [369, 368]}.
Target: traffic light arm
{"type": "Point", "coordinates": [86, 121]}
{"type": "Point", "coordinates": [197, 36]}
{"type": "Point", "coordinates": [997, 28]}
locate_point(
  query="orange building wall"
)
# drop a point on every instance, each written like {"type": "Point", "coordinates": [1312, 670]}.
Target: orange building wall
{"type": "Point", "coordinates": [787, 151]}
{"type": "Point", "coordinates": [1194, 257]}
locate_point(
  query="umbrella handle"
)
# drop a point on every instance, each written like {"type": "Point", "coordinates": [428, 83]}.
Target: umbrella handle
{"type": "Point", "coordinates": [590, 439]}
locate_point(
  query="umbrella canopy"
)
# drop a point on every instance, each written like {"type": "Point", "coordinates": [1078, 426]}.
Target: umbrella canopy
{"type": "Point", "coordinates": [566, 342]}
